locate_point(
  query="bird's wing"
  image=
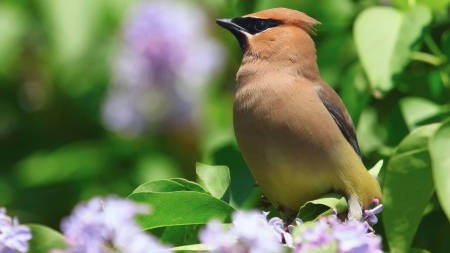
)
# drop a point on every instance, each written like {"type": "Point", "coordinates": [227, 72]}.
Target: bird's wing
{"type": "Point", "coordinates": [337, 109]}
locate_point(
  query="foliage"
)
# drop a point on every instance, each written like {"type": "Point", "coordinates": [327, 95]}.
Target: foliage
{"type": "Point", "coordinates": [180, 209]}
{"type": "Point", "coordinates": [388, 60]}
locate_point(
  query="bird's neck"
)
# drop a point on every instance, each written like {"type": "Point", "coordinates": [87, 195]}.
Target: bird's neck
{"type": "Point", "coordinates": [299, 61]}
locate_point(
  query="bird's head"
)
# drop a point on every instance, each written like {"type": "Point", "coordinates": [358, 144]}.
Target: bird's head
{"type": "Point", "coordinates": [270, 29]}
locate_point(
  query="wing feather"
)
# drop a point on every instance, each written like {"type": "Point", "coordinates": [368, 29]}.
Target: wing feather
{"type": "Point", "coordinates": [336, 108]}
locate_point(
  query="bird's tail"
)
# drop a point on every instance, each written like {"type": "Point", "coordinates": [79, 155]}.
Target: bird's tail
{"type": "Point", "coordinates": [360, 188]}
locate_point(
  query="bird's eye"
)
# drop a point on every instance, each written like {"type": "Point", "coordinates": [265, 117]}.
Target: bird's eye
{"type": "Point", "coordinates": [261, 26]}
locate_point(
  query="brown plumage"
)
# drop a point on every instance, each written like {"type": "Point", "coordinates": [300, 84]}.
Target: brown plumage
{"type": "Point", "coordinates": [293, 129]}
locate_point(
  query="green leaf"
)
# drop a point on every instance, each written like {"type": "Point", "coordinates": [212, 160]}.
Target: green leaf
{"type": "Point", "coordinates": [416, 109]}
{"type": "Point", "coordinates": [45, 239]}
{"type": "Point", "coordinates": [170, 185]}
{"type": "Point", "coordinates": [13, 26]}
{"type": "Point", "coordinates": [439, 151]}
{"type": "Point", "coordinates": [407, 188]}
{"type": "Point", "coordinates": [181, 208]}
{"type": "Point", "coordinates": [180, 235]}
{"type": "Point", "coordinates": [191, 186]}
{"type": "Point", "coordinates": [385, 38]}
{"type": "Point", "coordinates": [323, 206]}
{"type": "Point", "coordinates": [215, 178]}
{"type": "Point", "coordinates": [228, 153]}
{"type": "Point", "coordinates": [376, 169]}
{"type": "Point", "coordinates": [436, 5]}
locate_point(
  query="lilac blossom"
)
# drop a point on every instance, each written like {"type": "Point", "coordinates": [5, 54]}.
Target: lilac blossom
{"type": "Point", "coordinates": [249, 233]}
{"type": "Point", "coordinates": [254, 232]}
{"type": "Point", "coordinates": [13, 236]}
{"type": "Point", "coordinates": [110, 222]}
{"type": "Point", "coordinates": [369, 215]}
{"type": "Point", "coordinates": [278, 225]}
{"type": "Point", "coordinates": [313, 238]}
{"type": "Point", "coordinates": [329, 232]}
{"type": "Point", "coordinates": [217, 238]}
{"type": "Point", "coordinates": [353, 237]}
{"type": "Point", "coordinates": [161, 68]}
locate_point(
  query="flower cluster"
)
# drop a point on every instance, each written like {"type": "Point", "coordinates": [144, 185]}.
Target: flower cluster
{"type": "Point", "coordinates": [250, 232]}
{"type": "Point", "coordinates": [161, 68]}
{"type": "Point", "coordinates": [347, 237]}
{"type": "Point", "coordinates": [109, 222]}
{"type": "Point", "coordinates": [13, 236]}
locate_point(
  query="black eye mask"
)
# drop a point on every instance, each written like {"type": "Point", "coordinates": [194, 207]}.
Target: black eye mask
{"type": "Point", "coordinates": [255, 25]}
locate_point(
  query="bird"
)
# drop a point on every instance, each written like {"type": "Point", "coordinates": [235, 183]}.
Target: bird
{"type": "Point", "coordinates": [292, 128]}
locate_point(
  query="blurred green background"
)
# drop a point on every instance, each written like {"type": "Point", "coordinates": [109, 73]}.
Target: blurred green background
{"type": "Point", "coordinates": [80, 115]}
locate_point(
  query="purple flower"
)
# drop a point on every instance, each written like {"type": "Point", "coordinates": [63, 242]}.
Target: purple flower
{"type": "Point", "coordinates": [143, 243]}
{"type": "Point", "coordinates": [313, 238]}
{"type": "Point", "coordinates": [369, 215]}
{"type": "Point", "coordinates": [110, 222]}
{"type": "Point", "coordinates": [249, 233]}
{"type": "Point", "coordinates": [349, 237]}
{"type": "Point", "coordinates": [352, 237]}
{"type": "Point", "coordinates": [161, 68]}
{"type": "Point", "coordinates": [253, 231]}
{"type": "Point", "coordinates": [278, 226]}
{"type": "Point", "coordinates": [13, 236]}
{"type": "Point", "coordinates": [217, 238]}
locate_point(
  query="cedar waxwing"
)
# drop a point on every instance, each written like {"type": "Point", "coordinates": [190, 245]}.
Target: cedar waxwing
{"type": "Point", "coordinates": [292, 128]}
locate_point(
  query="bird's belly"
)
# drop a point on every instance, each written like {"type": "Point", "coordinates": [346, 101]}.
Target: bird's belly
{"type": "Point", "coordinates": [289, 175]}
{"type": "Point", "coordinates": [290, 162]}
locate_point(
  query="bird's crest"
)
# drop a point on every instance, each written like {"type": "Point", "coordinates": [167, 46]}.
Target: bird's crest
{"type": "Point", "coordinates": [288, 17]}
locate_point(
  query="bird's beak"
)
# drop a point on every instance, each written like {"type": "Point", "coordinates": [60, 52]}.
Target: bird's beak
{"type": "Point", "coordinates": [238, 31]}
{"type": "Point", "coordinates": [228, 24]}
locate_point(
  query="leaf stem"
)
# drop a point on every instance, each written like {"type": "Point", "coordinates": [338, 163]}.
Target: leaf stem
{"type": "Point", "coordinates": [425, 57]}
